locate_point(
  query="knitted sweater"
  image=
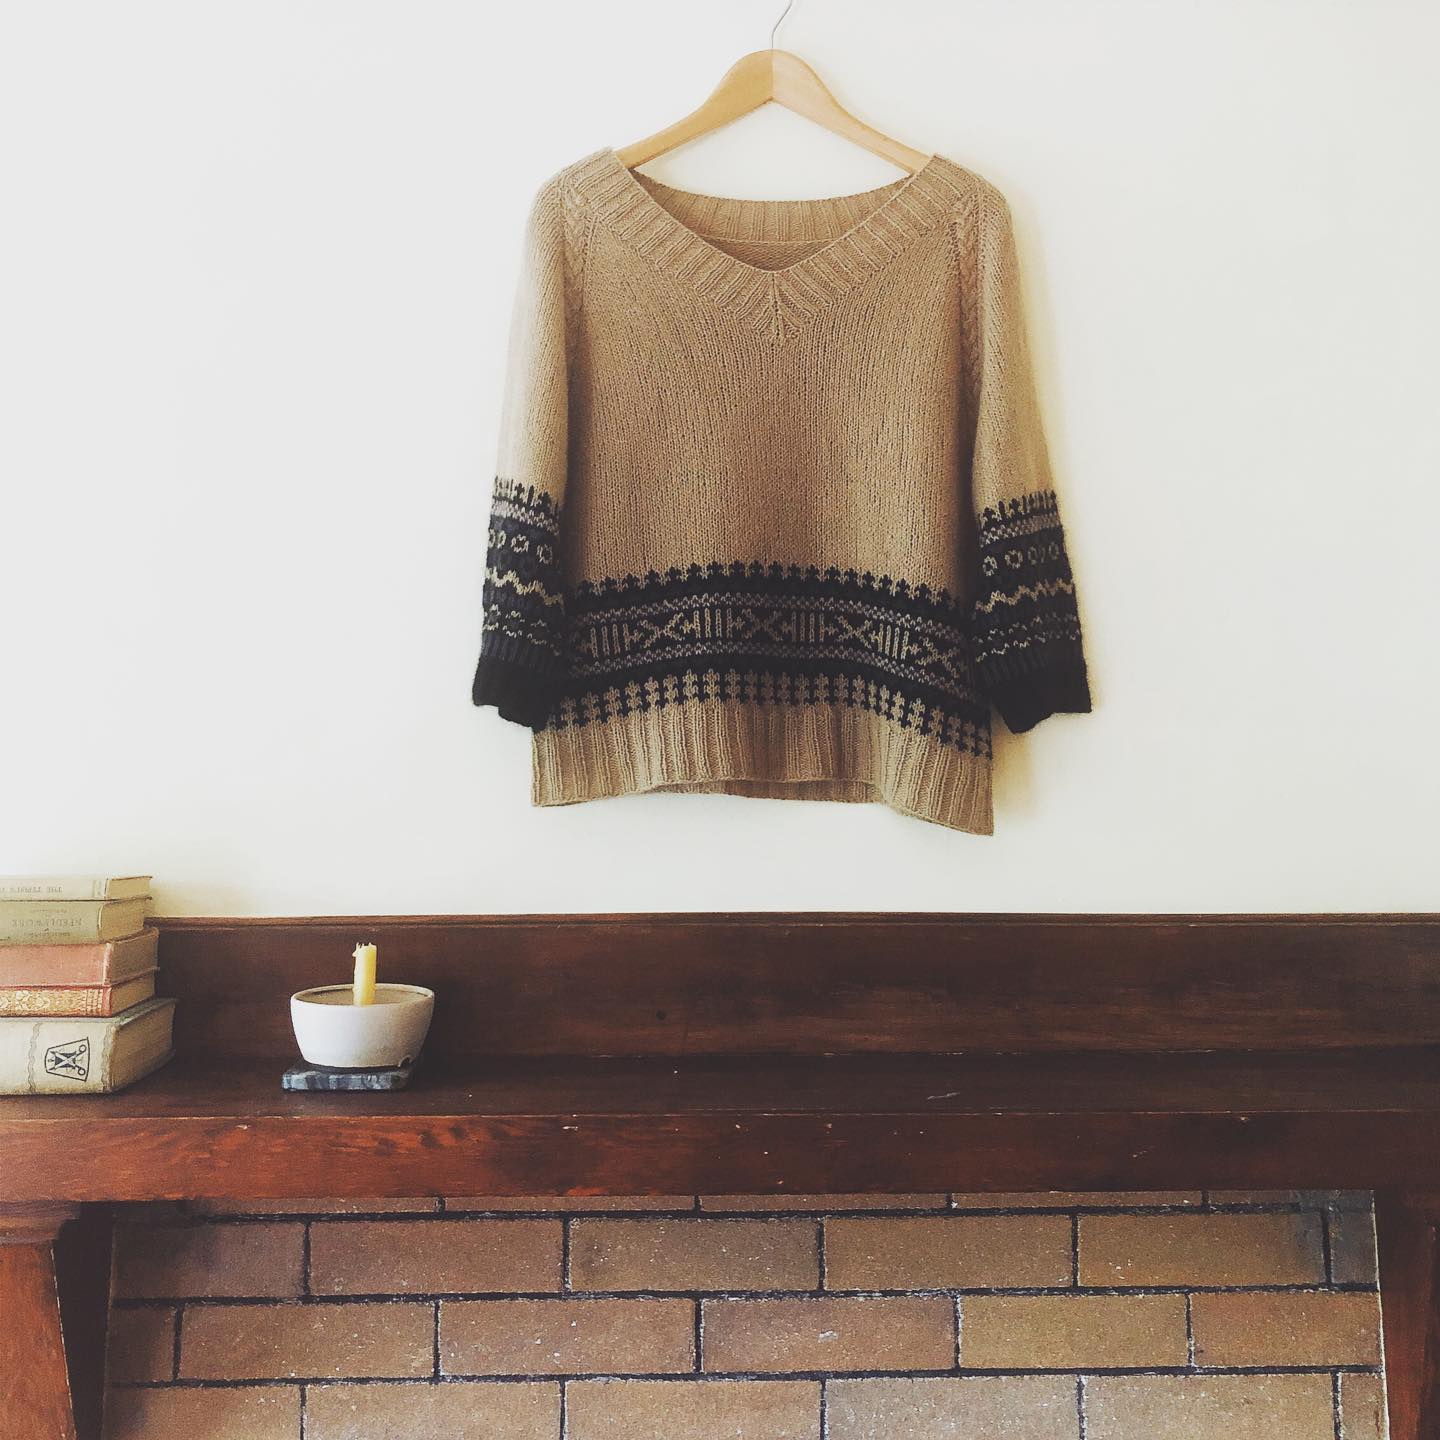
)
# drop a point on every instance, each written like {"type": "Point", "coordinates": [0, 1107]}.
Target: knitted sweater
{"type": "Point", "coordinates": [773, 513]}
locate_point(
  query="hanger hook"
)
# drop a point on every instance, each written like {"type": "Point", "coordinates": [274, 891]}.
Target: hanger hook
{"type": "Point", "coordinates": [780, 21]}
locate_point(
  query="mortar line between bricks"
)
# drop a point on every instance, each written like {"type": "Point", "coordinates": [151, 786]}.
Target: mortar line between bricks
{"type": "Point", "coordinates": [1075, 1249]}
{"type": "Point", "coordinates": [564, 1409]}
{"type": "Point", "coordinates": [435, 1344]}
{"type": "Point", "coordinates": [1327, 1247]}
{"type": "Point", "coordinates": [935, 1212]}
{"type": "Point", "coordinates": [1339, 1408]}
{"type": "Point", "coordinates": [1081, 1419]}
{"type": "Point", "coordinates": [384, 1297]}
{"type": "Point", "coordinates": [305, 1288]}
{"type": "Point", "coordinates": [959, 1326]}
{"type": "Point", "coordinates": [824, 1407]}
{"type": "Point", "coordinates": [687, 1377]}
{"type": "Point", "coordinates": [565, 1256]}
{"type": "Point", "coordinates": [175, 1344]}
{"type": "Point", "coordinates": [1190, 1329]}
{"type": "Point", "coordinates": [699, 1336]}
{"type": "Point", "coordinates": [304, 1410]}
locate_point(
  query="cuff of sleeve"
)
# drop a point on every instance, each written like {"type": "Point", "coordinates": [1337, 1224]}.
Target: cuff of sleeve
{"type": "Point", "coordinates": [516, 691]}
{"type": "Point", "coordinates": [1025, 700]}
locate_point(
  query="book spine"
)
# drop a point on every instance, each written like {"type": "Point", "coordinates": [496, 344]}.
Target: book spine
{"type": "Point", "coordinates": [105, 963]}
{"type": "Point", "coordinates": [36, 921]}
{"type": "Point", "coordinates": [78, 1000]}
{"type": "Point", "coordinates": [53, 1057]}
{"type": "Point", "coordinates": [69, 887]}
{"type": "Point", "coordinates": [74, 965]}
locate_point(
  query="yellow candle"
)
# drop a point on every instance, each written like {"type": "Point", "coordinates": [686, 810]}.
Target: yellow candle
{"type": "Point", "coordinates": [364, 974]}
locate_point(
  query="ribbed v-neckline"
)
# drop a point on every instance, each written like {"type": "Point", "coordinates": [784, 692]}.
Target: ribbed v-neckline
{"type": "Point", "coordinates": [874, 226]}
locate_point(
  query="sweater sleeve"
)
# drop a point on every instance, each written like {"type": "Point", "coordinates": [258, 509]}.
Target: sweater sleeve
{"type": "Point", "coordinates": [522, 644]}
{"type": "Point", "coordinates": [1025, 624]}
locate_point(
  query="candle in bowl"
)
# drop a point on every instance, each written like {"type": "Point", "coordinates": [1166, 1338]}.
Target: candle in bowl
{"type": "Point", "coordinates": [364, 975]}
{"type": "Point", "coordinates": [362, 1025]}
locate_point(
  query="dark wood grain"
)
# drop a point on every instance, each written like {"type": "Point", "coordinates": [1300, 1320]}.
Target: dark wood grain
{"type": "Point", "coordinates": [1405, 1223]}
{"type": "Point", "coordinates": [1348, 1119]}
{"type": "Point", "coordinates": [815, 984]}
{"type": "Point", "coordinates": [34, 1384]}
{"type": "Point", "coordinates": [82, 1275]}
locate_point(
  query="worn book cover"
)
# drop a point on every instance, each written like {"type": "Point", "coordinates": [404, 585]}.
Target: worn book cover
{"type": "Point", "coordinates": [75, 1000]}
{"type": "Point", "coordinates": [77, 1056]}
{"type": "Point", "coordinates": [70, 922]}
{"type": "Point", "coordinates": [74, 887]}
{"type": "Point", "coordinates": [106, 962]}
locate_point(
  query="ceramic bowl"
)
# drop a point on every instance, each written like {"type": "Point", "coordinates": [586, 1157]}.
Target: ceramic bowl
{"type": "Point", "coordinates": [332, 1030]}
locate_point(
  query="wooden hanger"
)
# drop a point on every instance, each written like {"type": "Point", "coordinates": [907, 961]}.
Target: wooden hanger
{"type": "Point", "coordinates": [756, 79]}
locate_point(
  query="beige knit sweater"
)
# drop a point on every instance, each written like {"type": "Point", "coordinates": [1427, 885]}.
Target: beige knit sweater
{"type": "Point", "coordinates": [774, 512]}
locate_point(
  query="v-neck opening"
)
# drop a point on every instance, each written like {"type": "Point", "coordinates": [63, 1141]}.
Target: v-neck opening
{"type": "Point", "coordinates": [861, 233]}
{"type": "Point", "coordinates": [825, 220]}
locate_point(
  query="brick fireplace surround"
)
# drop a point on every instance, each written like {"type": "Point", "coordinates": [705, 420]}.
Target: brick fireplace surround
{"type": "Point", "coordinates": [970, 1151]}
{"type": "Point", "coordinates": [1163, 1316]}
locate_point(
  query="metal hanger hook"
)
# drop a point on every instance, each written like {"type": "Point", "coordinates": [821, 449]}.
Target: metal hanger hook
{"type": "Point", "coordinates": [788, 6]}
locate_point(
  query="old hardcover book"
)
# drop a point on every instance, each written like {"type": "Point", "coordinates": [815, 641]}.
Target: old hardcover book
{"type": "Point", "coordinates": [107, 962]}
{"type": "Point", "coordinates": [78, 1057]}
{"type": "Point", "coordinates": [74, 887]}
{"type": "Point", "coordinates": [70, 922]}
{"type": "Point", "coordinates": [75, 1000]}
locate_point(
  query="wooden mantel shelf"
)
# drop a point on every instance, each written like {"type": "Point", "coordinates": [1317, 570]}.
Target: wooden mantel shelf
{"type": "Point", "coordinates": [1343, 1119]}
{"type": "Point", "coordinates": [782, 1053]}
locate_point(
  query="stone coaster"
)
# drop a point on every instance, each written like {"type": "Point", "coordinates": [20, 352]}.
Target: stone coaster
{"type": "Point", "coordinates": [325, 1077]}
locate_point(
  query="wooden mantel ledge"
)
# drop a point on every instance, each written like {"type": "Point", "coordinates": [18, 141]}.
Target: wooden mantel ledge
{"type": "Point", "coordinates": [1344, 1119]}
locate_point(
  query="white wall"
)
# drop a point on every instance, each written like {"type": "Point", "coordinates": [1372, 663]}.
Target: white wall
{"type": "Point", "coordinates": [257, 264]}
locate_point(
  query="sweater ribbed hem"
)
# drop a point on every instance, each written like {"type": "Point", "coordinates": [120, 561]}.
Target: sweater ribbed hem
{"type": "Point", "coordinates": [796, 752]}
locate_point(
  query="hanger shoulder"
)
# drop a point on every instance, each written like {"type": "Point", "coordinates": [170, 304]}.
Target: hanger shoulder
{"type": "Point", "coordinates": [747, 85]}
{"type": "Point", "coordinates": [782, 77]}
{"type": "Point", "coordinates": [799, 88]}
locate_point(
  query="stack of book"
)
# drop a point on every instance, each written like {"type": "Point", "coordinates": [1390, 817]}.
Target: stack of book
{"type": "Point", "coordinates": [78, 1011]}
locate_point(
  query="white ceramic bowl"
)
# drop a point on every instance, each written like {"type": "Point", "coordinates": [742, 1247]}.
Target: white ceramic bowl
{"type": "Point", "coordinates": [332, 1030]}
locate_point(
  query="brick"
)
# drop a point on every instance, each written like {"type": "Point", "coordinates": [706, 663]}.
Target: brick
{"type": "Point", "coordinates": [1308, 1328]}
{"type": "Point", "coordinates": [320, 1341]}
{"type": "Point", "coordinates": [405, 1411]}
{"type": "Point", "coordinates": [1362, 1407]}
{"type": "Point", "coordinates": [570, 1204]}
{"type": "Point", "coordinates": [1073, 1199]}
{"type": "Point", "coordinates": [1072, 1332]}
{"type": "Point", "coordinates": [828, 1203]}
{"type": "Point", "coordinates": [955, 1251]}
{"type": "Point", "coordinates": [1255, 1197]}
{"type": "Point", "coordinates": [426, 1257]}
{"type": "Point", "coordinates": [567, 1337]}
{"type": "Point", "coordinates": [857, 1333]}
{"type": "Point", "coordinates": [1209, 1407]}
{"type": "Point", "coordinates": [155, 1262]}
{"type": "Point", "coordinates": [271, 1413]}
{"type": "Point", "coordinates": [140, 1345]}
{"type": "Point", "coordinates": [419, 1205]}
{"type": "Point", "coordinates": [1352, 1247]}
{"type": "Point", "coordinates": [694, 1255]}
{"type": "Point", "coordinates": [693, 1410]}
{"type": "Point", "coordinates": [1025, 1407]}
{"type": "Point", "coordinates": [1281, 1249]}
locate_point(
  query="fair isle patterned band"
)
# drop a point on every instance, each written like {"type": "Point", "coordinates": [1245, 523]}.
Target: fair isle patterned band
{"type": "Point", "coordinates": [1025, 626]}
{"type": "Point", "coordinates": [782, 634]}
